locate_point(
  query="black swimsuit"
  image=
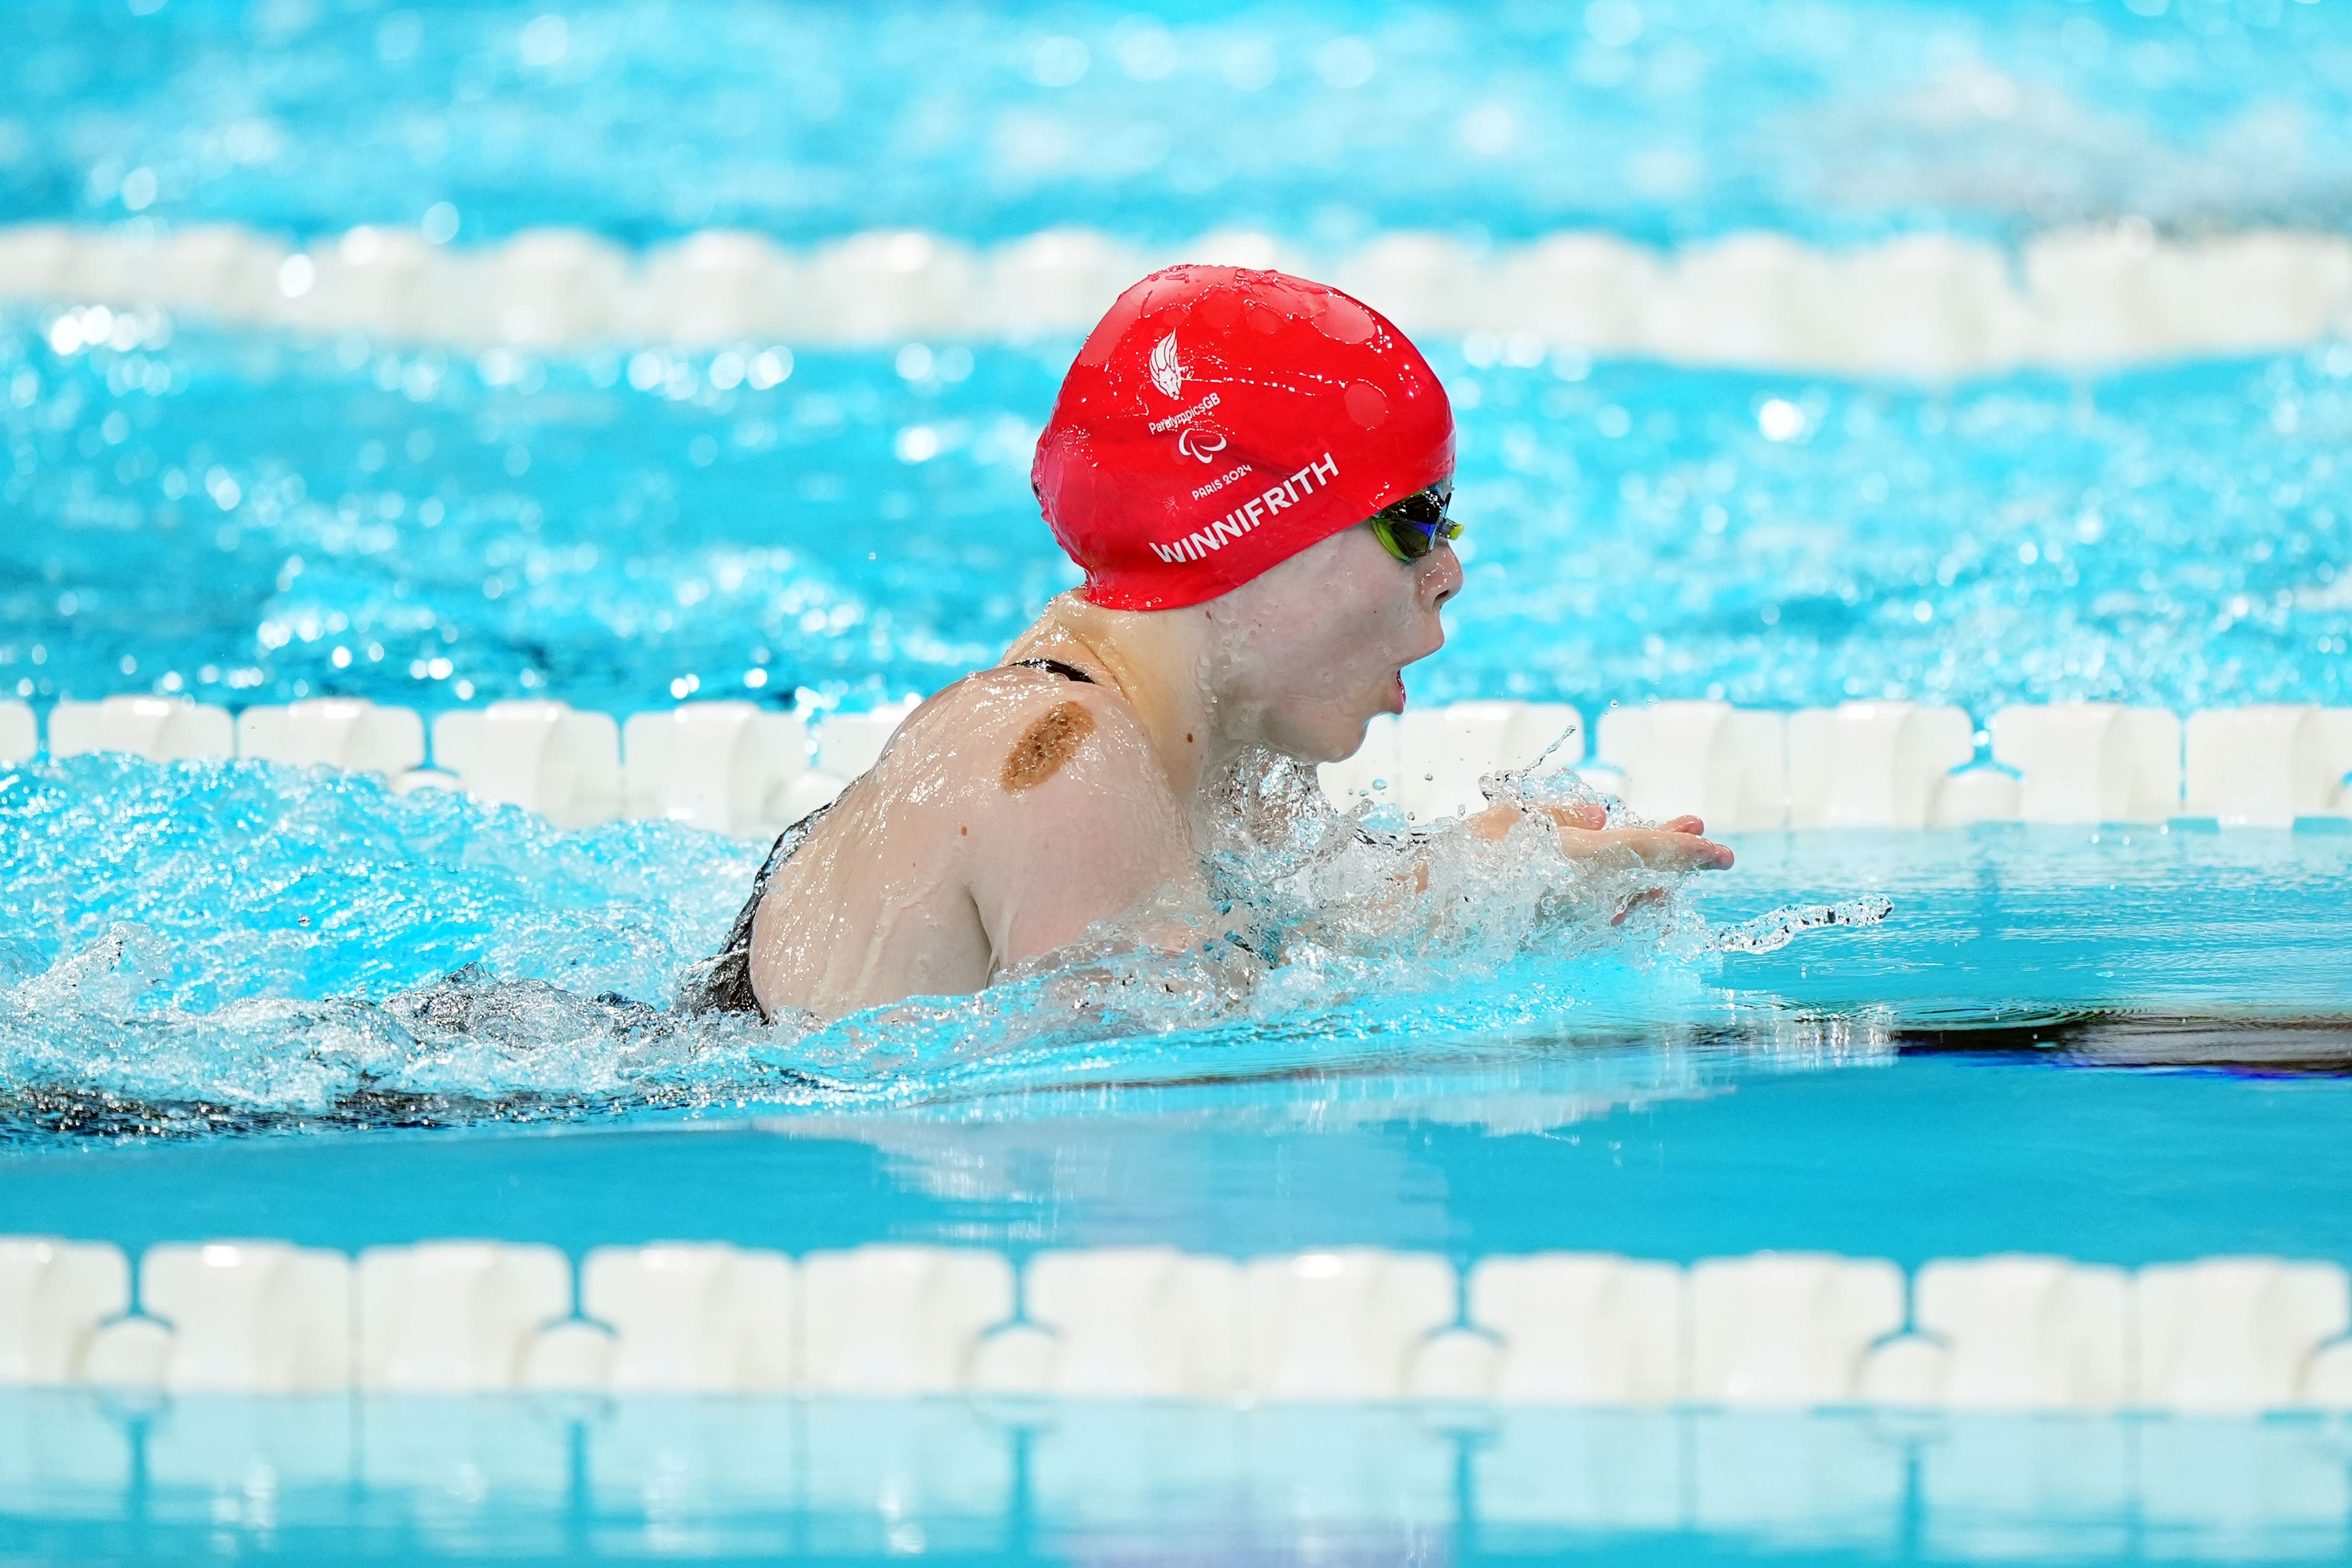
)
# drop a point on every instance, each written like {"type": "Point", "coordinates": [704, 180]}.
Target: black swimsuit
{"type": "Point", "coordinates": [723, 984]}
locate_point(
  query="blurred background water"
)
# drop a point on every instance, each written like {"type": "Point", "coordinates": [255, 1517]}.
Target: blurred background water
{"type": "Point", "coordinates": [1657, 119]}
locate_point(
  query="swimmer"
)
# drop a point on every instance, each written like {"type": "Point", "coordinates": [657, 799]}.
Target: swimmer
{"type": "Point", "coordinates": [1253, 471]}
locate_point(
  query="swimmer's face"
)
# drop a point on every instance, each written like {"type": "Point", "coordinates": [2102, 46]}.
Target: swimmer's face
{"type": "Point", "coordinates": [1318, 645]}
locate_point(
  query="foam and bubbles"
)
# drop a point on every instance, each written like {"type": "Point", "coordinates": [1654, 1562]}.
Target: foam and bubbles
{"type": "Point", "coordinates": [231, 945]}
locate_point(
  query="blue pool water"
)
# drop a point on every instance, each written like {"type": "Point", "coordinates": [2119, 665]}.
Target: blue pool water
{"type": "Point", "coordinates": [1659, 119]}
{"type": "Point", "coordinates": [430, 529]}
{"type": "Point", "coordinates": [1635, 1148]}
{"type": "Point", "coordinates": [241, 945]}
{"type": "Point", "coordinates": [239, 999]}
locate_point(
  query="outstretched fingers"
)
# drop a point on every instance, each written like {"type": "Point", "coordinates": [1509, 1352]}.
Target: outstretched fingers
{"type": "Point", "coordinates": [1658, 848]}
{"type": "Point", "coordinates": [1676, 849]}
{"type": "Point", "coordinates": [1585, 833]}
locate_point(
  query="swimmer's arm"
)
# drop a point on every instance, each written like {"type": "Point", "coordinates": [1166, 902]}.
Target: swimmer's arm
{"type": "Point", "coordinates": [1675, 846]}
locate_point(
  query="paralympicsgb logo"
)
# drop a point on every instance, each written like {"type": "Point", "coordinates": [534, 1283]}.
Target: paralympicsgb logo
{"type": "Point", "coordinates": [1166, 374]}
{"type": "Point", "coordinates": [1202, 444]}
{"type": "Point", "coordinates": [1198, 441]}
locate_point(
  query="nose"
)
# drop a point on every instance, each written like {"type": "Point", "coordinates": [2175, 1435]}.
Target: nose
{"type": "Point", "coordinates": [1440, 577]}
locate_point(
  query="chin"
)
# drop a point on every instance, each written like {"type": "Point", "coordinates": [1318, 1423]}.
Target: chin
{"type": "Point", "coordinates": [1331, 731]}
{"type": "Point", "coordinates": [1325, 744]}
{"type": "Point", "coordinates": [1353, 740]}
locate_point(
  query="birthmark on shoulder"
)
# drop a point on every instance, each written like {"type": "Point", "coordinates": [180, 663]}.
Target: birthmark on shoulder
{"type": "Point", "coordinates": [1046, 745]}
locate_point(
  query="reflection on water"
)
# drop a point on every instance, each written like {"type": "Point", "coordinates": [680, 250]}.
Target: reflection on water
{"type": "Point", "coordinates": [2248, 1042]}
{"type": "Point", "coordinates": [87, 1475]}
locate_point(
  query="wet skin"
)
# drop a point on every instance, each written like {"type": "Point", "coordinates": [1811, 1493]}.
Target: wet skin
{"type": "Point", "coordinates": [1015, 808]}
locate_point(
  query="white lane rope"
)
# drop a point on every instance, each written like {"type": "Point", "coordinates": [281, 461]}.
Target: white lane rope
{"type": "Point", "coordinates": [1920, 307]}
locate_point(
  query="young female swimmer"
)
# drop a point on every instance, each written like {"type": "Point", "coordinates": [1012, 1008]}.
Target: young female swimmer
{"type": "Point", "coordinates": [1251, 469]}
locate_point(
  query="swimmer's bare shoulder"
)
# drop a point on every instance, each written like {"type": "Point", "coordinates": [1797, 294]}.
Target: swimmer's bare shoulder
{"type": "Point", "coordinates": [1047, 795]}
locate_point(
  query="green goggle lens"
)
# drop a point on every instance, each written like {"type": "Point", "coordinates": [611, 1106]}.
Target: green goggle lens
{"type": "Point", "coordinates": [1412, 527]}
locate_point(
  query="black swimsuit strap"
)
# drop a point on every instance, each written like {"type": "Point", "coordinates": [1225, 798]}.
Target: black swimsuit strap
{"type": "Point", "coordinates": [1056, 667]}
{"type": "Point", "coordinates": [723, 984]}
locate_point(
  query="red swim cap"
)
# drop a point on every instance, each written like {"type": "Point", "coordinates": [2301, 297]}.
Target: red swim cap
{"type": "Point", "coordinates": [1220, 420]}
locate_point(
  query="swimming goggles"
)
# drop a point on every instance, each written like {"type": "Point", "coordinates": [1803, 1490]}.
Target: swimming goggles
{"type": "Point", "coordinates": [1413, 527]}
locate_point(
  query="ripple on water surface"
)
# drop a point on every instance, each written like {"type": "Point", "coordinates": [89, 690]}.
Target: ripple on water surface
{"type": "Point", "coordinates": [253, 520]}
{"type": "Point", "coordinates": [240, 946]}
{"type": "Point", "coordinates": [1837, 119]}
{"type": "Point", "coordinates": [235, 943]}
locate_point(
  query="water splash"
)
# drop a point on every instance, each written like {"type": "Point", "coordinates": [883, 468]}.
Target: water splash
{"type": "Point", "coordinates": [236, 945]}
{"type": "Point", "coordinates": [1776, 929]}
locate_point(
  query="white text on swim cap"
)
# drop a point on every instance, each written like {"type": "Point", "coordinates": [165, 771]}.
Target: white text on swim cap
{"type": "Point", "coordinates": [1221, 481]}
{"type": "Point", "coordinates": [1242, 519]}
{"type": "Point", "coordinates": [1162, 426]}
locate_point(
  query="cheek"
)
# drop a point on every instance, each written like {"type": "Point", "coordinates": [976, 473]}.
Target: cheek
{"type": "Point", "coordinates": [1385, 617]}
{"type": "Point", "coordinates": [1332, 625]}
{"type": "Point", "coordinates": [1338, 669]}
{"type": "Point", "coordinates": [1310, 665]}
{"type": "Point", "coordinates": [1347, 634]}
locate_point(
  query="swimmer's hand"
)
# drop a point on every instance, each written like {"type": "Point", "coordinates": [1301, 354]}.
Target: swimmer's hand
{"type": "Point", "coordinates": [1675, 845]}
{"type": "Point", "coordinates": [1585, 834]}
